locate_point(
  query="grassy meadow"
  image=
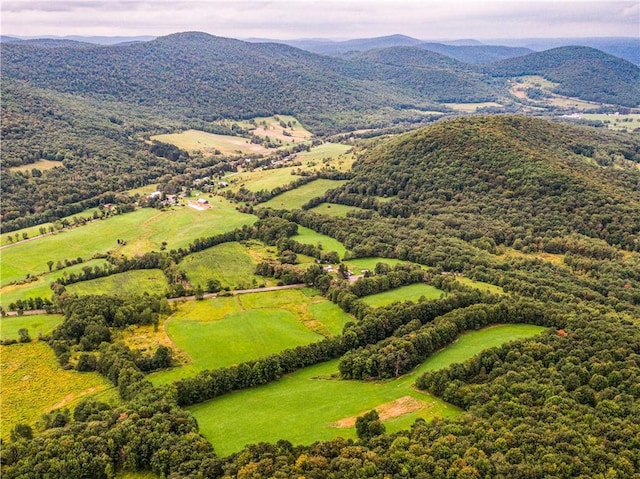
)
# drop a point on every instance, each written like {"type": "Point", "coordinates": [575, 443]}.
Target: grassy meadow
{"type": "Point", "coordinates": [232, 264]}
{"type": "Point", "coordinates": [152, 281]}
{"type": "Point", "coordinates": [313, 404]}
{"type": "Point", "coordinates": [294, 199]}
{"type": "Point", "coordinates": [233, 329]}
{"type": "Point", "coordinates": [40, 285]}
{"type": "Point", "coordinates": [411, 292]}
{"type": "Point", "coordinates": [36, 324]}
{"type": "Point", "coordinates": [333, 209]}
{"type": "Point", "coordinates": [33, 384]}
{"type": "Point", "coordinates": [143, 230]}
{"type": "Point", "coordinates": [308, 236]}
{"type": "Point", "coordinates": [42, 165]}
{"type": "Point", "coordinates": [481, 285]}
{"type": "Point", "coordinates": [208, 143]}
{"type": "Point", "coordinates": [357, 266]}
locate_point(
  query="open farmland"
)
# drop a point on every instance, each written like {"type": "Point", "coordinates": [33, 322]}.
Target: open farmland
{"type": "Point", "coordinates": [33, 384]}
{"type": "Point", "coordinates": [358, 265]}
{"type": "Point", "coordinates": [411, 292]}
{"type": "Point", "coordinates": [294, 199]}
{"type": "Point", "coordinates": [142, 230]}
{"type": "Point", "coordinates": [232, 264]}
{"type": "Point", "coordinates": [229, 330]}
{"type": "Point", "coordinates": [36, 325]}
{"type": "Point", "coordinates": [333, 209]}
{"type": "Point", "coordinates": [308, 236]}
{"type": "Point", "coordinates": [310, 404]}
{"type": "Point", "coordinates": [210, 143]}
{"type": "Point", "coordinates": [152, 281]}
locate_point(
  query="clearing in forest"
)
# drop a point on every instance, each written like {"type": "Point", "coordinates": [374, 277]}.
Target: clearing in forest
{"type": "Point", "coordinates": [411, 292]}
{"type": "Point", "coordinates": [294, 199]}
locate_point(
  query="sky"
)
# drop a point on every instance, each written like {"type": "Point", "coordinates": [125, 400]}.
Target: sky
{"type": "Point", "coordinates": [336, 19]}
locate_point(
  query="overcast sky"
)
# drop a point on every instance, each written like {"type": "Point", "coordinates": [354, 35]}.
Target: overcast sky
{"type": "Point", "coordinates": [291, 19]}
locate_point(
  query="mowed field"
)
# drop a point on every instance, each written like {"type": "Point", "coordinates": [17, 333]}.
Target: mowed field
{"type": "Point", "coordinates": [228, 330]}
{"type": "Point", "coordinates": [152, 281]}
{"type": "Point", "coordinates": [294, 199]}
{"type": "Point", "coordinates": [41, 286]}
{"type": "Point", "coordinates": [143, 230]}
{"type": "Point", "coordinates": [313, 404]}
{"type": "Point", "coordinates": [357, 266]}
{"type": "Point", "coordinates": [308, 236]}
{"type": "Point", "coordinates": [232, 264]}
{"type": "Point", "coordinates": [333, 209]}
{"type": "Point", "coordinates": [328, 154]}
{"type": "Point", "coordinates": [411, 292]}
{"type": "Point", "coordinates": [37, 324]}
{"type": "Point", "coordinates": [33, 384]}
{"type": "Point", "coordinates": [207, 143]}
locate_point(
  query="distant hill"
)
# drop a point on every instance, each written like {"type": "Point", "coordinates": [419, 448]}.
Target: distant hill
{"type": "Point", "coordinates": [336, 48]}
{"type": "Point", "coordinates": [581, 72]}
{"type": "Point", "coordinates": [476, 53]}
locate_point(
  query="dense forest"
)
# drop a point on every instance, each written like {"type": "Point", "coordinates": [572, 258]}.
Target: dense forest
{"type": "Point", "coordinates": [485, 196]}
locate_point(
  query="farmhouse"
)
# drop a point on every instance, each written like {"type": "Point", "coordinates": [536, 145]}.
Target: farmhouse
{"type": "Point", "coordinates": [202, 201]}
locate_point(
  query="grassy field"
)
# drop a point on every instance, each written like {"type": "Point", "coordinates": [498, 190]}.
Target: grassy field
{"type": "Point", "coordinates": [229, 330]}
{"type": "Point", "coordinates": [308, 236]}
{"type": "Point", "coordinates": [472, 107]}
{"type": "Point", "coordinates": [333, 209]}
{"type": "Point", "coordinates": [36, 324]}
{"type": "Point", "coordinates": [306, 406]}
{"type": "Point", "coordinates": [615, 122]}
{"type": "Point", "coordinates": [271, 127]}
{"type": "Point", "coordinates": [411, 292]}
{"type": "Point", "coordinates": [294, 199]}
{"type": "Point", "coordinates": [207, 143]}
{"type": "Point", "coordinates": [143, 230]}
{"type": "Point", "coordinates": [329, 154]}
{"type": "Point", "coordinates": [230, 263]}
{"type": "Point", "coordinates": [481, 285]}
{"type": "Point", "coordinates": [357, 266]}
{"type": "Point", "coordinates": [42, 165]}
{"type": "Point", "coordinates": [33, 384]}
{"type": "Point", "coordinates": [152, 281]}
{"type": "Point", "coordinates": [40, 287]}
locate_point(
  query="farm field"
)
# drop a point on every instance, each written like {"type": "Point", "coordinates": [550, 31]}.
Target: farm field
{"type": "Point", "coordinates": [143, 230]}
{"type": "Point", "coordinates": [357, 266]}
{"type": "Point", "coordinates": [615, 122]}
{"type": "Point", "coordinates": [411, 292]}
{"type": "Point", "coordinates": [42, 165]}
{"type": "Point", "coordinates": [306, 406]}
{"type": "Point", "coordinates": [472, 107]}
{"type": "Point", "coordinates": [208, 143]}
{"type": "Point", "coordinates": [327, 154]}
{"type": "Point", "coordinates": [481, 285]}
{"type": "Point", "coordinates": [33, 384]}
{"type": "Point", "coordinates": [152, 281]}
{"type": "Point", "coordinates": [40, 287]}
{"type": "Point", "coordinates": [333, 209]}
{"type": "Point", "coordinates": [294, 199]}
{"type": "Point", "coordinates": [229, 330]}
{"type": "Point", "coordinates": [308, 236]}
{"type": "Point", "coordinates": [36, 324]}
{"type": "Point", "coordinates": [232, 264]}
{"type": "Point", "coordinates": [271, 127]}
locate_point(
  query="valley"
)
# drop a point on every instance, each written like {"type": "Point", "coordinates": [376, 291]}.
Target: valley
{"type": "Point", "coordinates": [257, 261]}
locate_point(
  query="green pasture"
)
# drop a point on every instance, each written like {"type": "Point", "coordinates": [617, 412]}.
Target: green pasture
{"type": "Point", "coordinates": [628, 122]}
{"type": "Point", "coordinates": [232, 264]}
{"type": "Point", "coordinates": [270, 126]}
{"type": "Point", "coordinates": [481, 285]}
{"type": "Point", "coordinates": [152, 281]}
{"type": "Point", "coordinates": [357, 266]}
{"type": "Point", "coordinates": [333, 209]}
{"type": "Point", "coordinates": [207, 143]}
{"type": "Point", "coordinates": [308, 236]}
{"type": "Point", "coordinates": [294, 199]}
{"type": "Point", "coordinates": [42, 165]}
{"type": "Point", "coordinates": [41, 285]}
{"type": "Point", "coordinates": [33, 384]}
{"type": "Point", "coordinates": [143, 230]}
{"type": "Point", "coordinates": [228, 330]}
{"type": "Point", "coordinates": [36, 324]}
{"type": "Point", "coordinates": [304, 407]}
{"type": "Point", "coordinates": [411, 292]}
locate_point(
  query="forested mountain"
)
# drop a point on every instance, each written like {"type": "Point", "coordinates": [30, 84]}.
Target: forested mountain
{"type": "Point", "coordinates": [508, 178]}
{"type": "Point", "coordinates": [580, 72]}
{"type": "Point", "coordinates": [336, 48]}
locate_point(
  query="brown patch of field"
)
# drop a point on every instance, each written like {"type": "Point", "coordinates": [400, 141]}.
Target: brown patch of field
{"type": "Point", "coordinates": [147, 338]}
{"type": "Point", "coordinates": [42, 165]}
{"type": "Point", "coordinates": [390, 410]}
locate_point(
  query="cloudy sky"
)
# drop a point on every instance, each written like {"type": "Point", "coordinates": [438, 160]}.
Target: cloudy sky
{"type": "Point", "coordinates": [290, 19]}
